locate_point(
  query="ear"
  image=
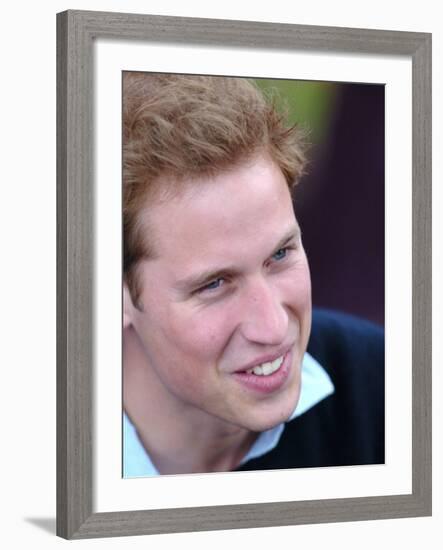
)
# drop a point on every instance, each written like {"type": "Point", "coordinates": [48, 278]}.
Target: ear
{"type": "Point", "coordinates": [128, 307]}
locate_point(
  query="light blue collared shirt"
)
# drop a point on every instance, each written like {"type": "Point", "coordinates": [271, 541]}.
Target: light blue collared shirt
{"type": "Point", "coordinates": [315, 386]}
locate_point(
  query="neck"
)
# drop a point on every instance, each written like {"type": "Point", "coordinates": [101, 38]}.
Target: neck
{"type": "Point", "coordinates": [178, 437]}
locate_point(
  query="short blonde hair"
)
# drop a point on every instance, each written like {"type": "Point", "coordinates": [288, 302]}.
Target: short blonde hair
{"type": "Point", "coordinates": [177, 128]}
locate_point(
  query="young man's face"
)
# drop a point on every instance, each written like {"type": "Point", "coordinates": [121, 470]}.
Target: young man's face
{"type": "Point", "coordinates": [228, 291]}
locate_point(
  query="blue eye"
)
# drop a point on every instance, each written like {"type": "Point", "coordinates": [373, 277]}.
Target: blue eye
{"type": "Point", "coordinates": [213, 285]}
{"type": "Point", "coordinates": [280, 254]}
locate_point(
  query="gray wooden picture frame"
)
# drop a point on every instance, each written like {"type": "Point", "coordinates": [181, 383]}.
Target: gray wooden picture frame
{"type": "Point", "coordinates": [76, 32]}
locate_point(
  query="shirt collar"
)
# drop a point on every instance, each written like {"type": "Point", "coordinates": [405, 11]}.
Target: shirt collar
{"type": "Point", "coordinates": [316, 385]}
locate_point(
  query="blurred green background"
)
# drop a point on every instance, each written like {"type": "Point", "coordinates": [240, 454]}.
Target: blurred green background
{"type": "Point", "coordinates": [310, 104]}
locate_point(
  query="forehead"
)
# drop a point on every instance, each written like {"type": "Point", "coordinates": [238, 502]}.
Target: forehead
{"type": "Point", "coordinates": [247, 206]}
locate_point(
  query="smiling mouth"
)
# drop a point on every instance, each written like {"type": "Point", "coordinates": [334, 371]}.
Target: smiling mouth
{"type": "Point", "coordinates": [267, 377]}
{"type": "Point", "coordinates": [268, 368]}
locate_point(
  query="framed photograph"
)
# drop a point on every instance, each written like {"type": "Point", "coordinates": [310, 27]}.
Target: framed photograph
{"type": "Point", "coordinates": [104, 62]}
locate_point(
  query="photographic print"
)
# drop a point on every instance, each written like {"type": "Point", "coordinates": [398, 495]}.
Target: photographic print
{"type": "Point", "coordinates": [230, 361]}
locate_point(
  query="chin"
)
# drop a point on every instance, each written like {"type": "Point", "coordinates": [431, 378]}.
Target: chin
{"type": "Point", "coordinates": [280, 413]}
{"type": "Point", "coordinates": [261, 423]}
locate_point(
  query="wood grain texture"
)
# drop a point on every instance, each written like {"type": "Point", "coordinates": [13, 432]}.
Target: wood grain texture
{"type": "Point", "coordinates": [74, 292]}
{"type": "Point", "coordinates": [76, 31]}
{"type": "Point", "coordinates": [422, 271]}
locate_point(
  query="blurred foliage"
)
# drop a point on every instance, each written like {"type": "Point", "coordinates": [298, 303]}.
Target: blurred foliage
{"type": "Point", "coordinates": [308, 103]}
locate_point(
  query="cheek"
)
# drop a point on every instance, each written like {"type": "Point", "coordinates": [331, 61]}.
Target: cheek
{"type": "Point", "coordinates": [203, 334]}
{"type": "Point", "coordinates": [197, 346]}
{"type": "Point", "coordinates": [296, 287]}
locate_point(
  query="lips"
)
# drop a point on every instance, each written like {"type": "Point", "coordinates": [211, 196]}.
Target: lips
{"type": "Point", "coordinates": [268, 361]}
{"type": "Point", "coordinates": [266, 383]}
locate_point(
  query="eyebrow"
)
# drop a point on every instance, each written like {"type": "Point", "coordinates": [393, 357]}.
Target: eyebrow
{"type": "Point", "coordinates": [205, 277]}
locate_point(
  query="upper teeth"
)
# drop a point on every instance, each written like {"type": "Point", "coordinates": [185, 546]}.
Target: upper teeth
{"type": "Point", "coordinates": [265, 369]}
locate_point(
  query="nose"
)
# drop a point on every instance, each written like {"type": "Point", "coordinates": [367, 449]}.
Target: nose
{"type": "Point", "coordinates": [264, 317]}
